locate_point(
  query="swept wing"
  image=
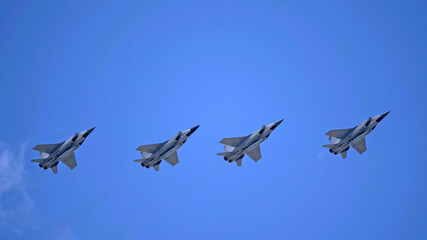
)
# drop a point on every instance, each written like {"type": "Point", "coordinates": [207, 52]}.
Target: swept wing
{"type": "Point", "coordinates": [47, 148]}
{"type": "Point", "coordinates": [360, 145]}
{"type": "Point", "coordinates": [70, 160]}
{"type": "Point", "coordinates": [172, 159]}
{"type": "Point", "coordinates": [254, 153]}
{"type": "Point", "coordinates": [234, 142]}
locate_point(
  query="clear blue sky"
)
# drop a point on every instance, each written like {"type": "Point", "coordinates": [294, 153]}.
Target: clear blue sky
{"type": "Point", "coordinates": [140, 71]}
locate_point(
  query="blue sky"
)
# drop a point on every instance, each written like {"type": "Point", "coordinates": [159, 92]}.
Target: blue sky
{"type": "Point", "coordinates": [141, 71]}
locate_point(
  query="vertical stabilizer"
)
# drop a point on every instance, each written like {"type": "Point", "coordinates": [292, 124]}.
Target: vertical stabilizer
{"type": "Point", "coordinates": [54, 169]}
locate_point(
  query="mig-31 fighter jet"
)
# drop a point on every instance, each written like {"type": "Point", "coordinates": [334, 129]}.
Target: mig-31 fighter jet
{"type": "Point", "coordinates": [342, 139]}
{"type": "Point", "coordinates": [153, 154]}
{"type": "Point", "coordinates": [51, 154]}
{"type": "Point", "coordinates": [236, 148]}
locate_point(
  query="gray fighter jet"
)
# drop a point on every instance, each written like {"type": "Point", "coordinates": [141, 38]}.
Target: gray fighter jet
{"type": "Point", "coordinates": [236, 148]}
{"type": "Point", "coordinates": [51, 154]}
{"type": "Point", "coordinates": [153, 154]}
{"type": "Point", "coordinates": [342, 139]}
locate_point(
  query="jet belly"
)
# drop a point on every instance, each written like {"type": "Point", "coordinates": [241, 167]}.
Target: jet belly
{"type": "Point", "coordinates": [233, 156]}
{"type": "Point", "coordinates": [49, 162]}
{"type": "Point", "coordinates": [151, 161]}
{"type": "Point", "coordinates": [171, 150]}
{"type": "Point", "coordinates": [342, 148]}
{"type": "Point", "coordinates": [356, 139]}
{"type": "Point", "coordinates": [66, 145]}
{"type": "Point", "coordinates": [239, 152]}
{"type": "Point", "coordinates": [66, 154]}
{"type": "Point", "coordinates": [355, 136]}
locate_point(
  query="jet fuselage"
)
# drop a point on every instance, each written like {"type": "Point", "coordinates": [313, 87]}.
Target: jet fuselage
{"type": "Point", "coordinates": [255, 139]}
{"type": "Point", "coordinates": [359, 132]}
{"type": "Point", "coordinates": [63, 151]}
{"type": "Point", "coordinates": [167, 149]}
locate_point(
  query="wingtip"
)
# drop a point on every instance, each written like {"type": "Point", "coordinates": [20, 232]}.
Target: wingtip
{"type": "Point", "coordinates": [139, 148]}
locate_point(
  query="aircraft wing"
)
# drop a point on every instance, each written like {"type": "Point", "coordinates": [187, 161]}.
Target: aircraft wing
{"type": "Point", "coordinates": [360, 145]}
{"type": "Point", "coordinates": [70, 160]}
{"type": "Point", "coordinates": [47, 148]}
{"type": "Point", "coordinates": [234, 142]}
{"type": "Point", "coordinates": [254, 153]}
{"type": "Point", "coordinates": [150, 148]}
{"type": "Point", "coordinates": [172, 159]}
{"type": "Point", "coordinates": [339, 133]}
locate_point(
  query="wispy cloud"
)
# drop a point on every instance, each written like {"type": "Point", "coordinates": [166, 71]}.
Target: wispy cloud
{"type": "Point", "coordinates": [61, 233]}
{"type": "Point", "coordinates": [15, 202]}
{"type": "Point", "coordinates": [320, 155]}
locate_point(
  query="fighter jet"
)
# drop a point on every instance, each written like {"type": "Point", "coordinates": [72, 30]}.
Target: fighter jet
{"type": "Point", "coordinates": [153, 154]}
{"type": "Point", "coordinates": [342, 139]}
{"type": "Point", "coordinates": [51, 154]}
{"type": "Point", "coordinates": [236, 148]}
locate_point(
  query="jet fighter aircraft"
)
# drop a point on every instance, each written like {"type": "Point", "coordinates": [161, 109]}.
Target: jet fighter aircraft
{"type": "Point", "coordinates": [153, 154]}
{"type": "Point", "coordinates": [342, 139]}
{"type": "Point", "coordinates": [51, 154]}
{"type": "Point", "coordinates": [236, 148]}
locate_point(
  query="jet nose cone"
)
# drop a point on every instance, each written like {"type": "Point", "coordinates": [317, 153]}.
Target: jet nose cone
{"type": "Point", "coordinates": [275, 125]}
{"type": "Point", "coordinates": [278, 122]}
{"type": "Point", "coordinates": [385, 114]}
{"type": "Point", "coordinates": [382, 116]}
{"type": "Point", "coordinates": [87, 132]}
{"type": "Point", "coordinates": [90, 130]}
{"type": "Point", "coordinates": [192, 130]}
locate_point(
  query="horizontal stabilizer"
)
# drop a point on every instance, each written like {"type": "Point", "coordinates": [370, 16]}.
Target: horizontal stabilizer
{"type": "Point", "coordinates": [328, 145]}
{"type": "Point", "coordinates": [140, 160]}
{"type": "Point", "coordinates": [143, 159]}
{"type": "Point", "coordinates": [37, 160]}
{"type": "Point", "coordinates": [222, 154]}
